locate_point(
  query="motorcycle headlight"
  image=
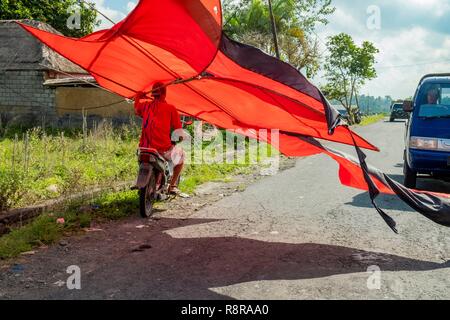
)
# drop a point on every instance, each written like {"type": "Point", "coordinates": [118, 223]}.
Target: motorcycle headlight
{"type": "Point", "coordinates": [423, 143]}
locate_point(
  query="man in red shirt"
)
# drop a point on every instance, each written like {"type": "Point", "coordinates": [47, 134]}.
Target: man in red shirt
{"type": "Point", "coordinates": [158, 120]}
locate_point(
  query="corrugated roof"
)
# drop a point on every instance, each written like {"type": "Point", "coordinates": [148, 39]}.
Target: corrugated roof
{"type": "Point", "coordinates": [75, 81]}
{"type": "Point", "coordinates": [21, 51]}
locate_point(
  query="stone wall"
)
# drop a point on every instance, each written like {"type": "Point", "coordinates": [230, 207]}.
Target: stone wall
{"type": "Point", "coordinates": [24, 100]}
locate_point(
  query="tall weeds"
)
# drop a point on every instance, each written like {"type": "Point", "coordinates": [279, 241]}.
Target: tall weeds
{"type": "Point", "coordinates": [38, 164]}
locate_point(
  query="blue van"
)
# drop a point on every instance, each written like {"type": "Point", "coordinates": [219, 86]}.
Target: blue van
{"type": "Point", "coordinates": [428, 130]}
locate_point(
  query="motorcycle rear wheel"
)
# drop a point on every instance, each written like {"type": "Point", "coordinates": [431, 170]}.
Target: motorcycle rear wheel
{"type": "Point", "coordinates": [147, 197]}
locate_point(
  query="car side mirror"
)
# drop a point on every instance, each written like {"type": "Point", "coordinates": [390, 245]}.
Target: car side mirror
{"type": "Point", "coordinates": [408, 106]}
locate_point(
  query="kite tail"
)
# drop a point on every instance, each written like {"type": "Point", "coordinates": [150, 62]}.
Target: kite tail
{"type": "Point", "coordinates": [374, 192]}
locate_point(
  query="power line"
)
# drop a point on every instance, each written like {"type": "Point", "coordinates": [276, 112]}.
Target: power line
{"type": "Point", "coordinates": [92, 6]}
{"type": "Point", "coordinates": [413, 65]}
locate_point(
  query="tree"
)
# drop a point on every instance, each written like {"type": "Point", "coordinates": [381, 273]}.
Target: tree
{"type": "Point", "coordinates": [54, 12]}
{"type": "Point", "coordinates": [347, 68]}
{"type": "Point", "coordinates": [249, 21]}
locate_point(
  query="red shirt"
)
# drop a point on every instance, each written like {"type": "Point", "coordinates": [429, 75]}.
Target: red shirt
{"type": "Point", "coordinates": [158, 120]}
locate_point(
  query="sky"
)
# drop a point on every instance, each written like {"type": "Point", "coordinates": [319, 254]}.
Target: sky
{"type": "Point", "coordinates": [413, 37]}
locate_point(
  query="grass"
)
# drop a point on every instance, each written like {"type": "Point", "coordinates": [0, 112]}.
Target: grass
{"type": "Point", "coordinates": [40, 166]}
{"type": "Point", "coordinates": [196, 175]}
{"type": "Point", "coordinates": [45, 230]}
{"type": "Point", "coordinates": [368, 120]}
{"type": "Point", "coordinates": [37, 165]}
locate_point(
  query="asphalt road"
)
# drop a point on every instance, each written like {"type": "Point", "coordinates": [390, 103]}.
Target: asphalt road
{"type": "Point", "coordinates": [295, 235]}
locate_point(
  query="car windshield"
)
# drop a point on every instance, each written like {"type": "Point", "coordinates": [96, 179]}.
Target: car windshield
{"type": "Point", "coordinates": [434, 101]}
{"type": "Point", "coordinates": [397, 107]}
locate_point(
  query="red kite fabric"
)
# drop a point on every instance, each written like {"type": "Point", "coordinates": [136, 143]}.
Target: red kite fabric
{"type": "Point", "coordinates": [231, 85]}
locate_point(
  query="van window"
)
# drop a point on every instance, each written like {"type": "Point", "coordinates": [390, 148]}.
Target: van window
{"type": "Point", "coordinates": [445, 96]}
{"type": "Point", "coordinates": [434, 101]}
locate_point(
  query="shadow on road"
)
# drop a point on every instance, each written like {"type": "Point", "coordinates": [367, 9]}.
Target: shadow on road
{"type": "Point", "coordinates": [387, 202]}
{"type": "Point", "coordinates": [189, 268]}
{"type": "Point", "coordinates": [425, 183]}
{"type": "Point", "coordinates": [433, 185]}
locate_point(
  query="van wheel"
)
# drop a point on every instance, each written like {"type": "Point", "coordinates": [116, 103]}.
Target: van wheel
{"type": "Point", "coordinates": [391, 119]}
{"type": "Point", "coordinates": [410, 176]}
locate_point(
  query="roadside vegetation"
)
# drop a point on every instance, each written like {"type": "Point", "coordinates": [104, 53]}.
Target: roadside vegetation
{"type": "Point", "coordinates": [38, 165]}
{"type": "Point", "coordinates": [70, 219]}
{"type": "Point", "coordinates": [368, 120]}
{"type": "Point", "coordinates": [347, 68]}
{"type": "Point", "coordinates": [59, 14]}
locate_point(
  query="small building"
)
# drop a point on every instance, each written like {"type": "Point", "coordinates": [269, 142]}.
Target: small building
{"type": "Point", "coordinates": [39, 87]}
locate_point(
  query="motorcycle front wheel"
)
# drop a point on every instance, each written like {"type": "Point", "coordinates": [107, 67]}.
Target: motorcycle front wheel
{"type": "Point", "coordinates": [147, 197]}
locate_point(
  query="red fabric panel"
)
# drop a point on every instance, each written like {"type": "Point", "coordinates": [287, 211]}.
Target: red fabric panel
{"type": "Point", "coordinates": [159, 41]}
{"type": "Point", "coordinates": [350, 173]}
{"type": "Point", "coordinates": [259, 108]}
{"type": "Point", "coordinates": [95, 36]}
{"type": "Point", "coordinates": [120, 60]}
{"type": "Point", "coordinates": [224, 67]}
{"type": "Point", "coordinates": [191, 30]}
{"type": "Point", "coordinates": [188, 101]}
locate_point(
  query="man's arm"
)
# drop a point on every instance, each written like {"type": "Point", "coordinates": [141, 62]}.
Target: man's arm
{"type": "Point", "coordinates": [176, 120]}
{"type": "Point", "coordinates": [177, 125]}
{"type": "Point", "coordinates": [139, 104]}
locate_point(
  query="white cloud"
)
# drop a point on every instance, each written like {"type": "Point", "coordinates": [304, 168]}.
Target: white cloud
{"type": "Point", "coordinates": [409, 49]}
{"type": "Point", "coordinates": [131, 5]}
{"type": "Point", "coordinates": [434, 7]}
{"type": "Point", "coordinates": [114, 15]}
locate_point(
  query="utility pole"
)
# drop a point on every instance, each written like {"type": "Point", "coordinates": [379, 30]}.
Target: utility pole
{"type": "Point", "coordinates": [274, 30]}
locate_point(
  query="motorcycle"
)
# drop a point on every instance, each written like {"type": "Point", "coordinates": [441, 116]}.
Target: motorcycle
{"type": "Point", "coordinates": [154, 177]}
{"type": "Point", "coordinates": [155, 174]}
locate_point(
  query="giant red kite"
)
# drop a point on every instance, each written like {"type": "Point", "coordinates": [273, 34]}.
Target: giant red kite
{"type": "Point", "coordinates": [229, 84]}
